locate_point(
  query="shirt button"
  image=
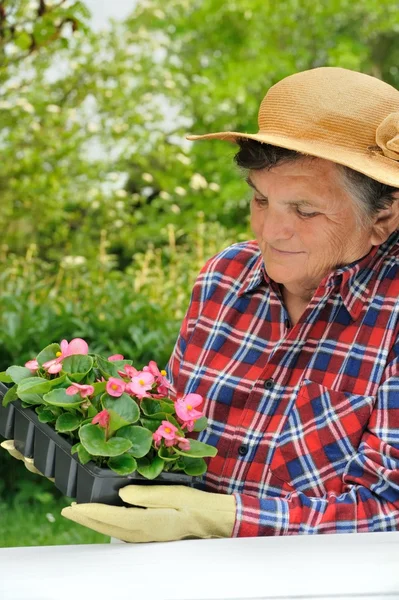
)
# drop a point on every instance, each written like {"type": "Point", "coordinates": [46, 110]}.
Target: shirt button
{"type": "Point", "coordinates": [269, 383]}
{"type": "Point", "coordinates": [243, 449]}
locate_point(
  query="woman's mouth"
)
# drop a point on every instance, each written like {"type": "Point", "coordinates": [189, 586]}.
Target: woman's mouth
{"type": "Point", "coordinates": [283, 251]}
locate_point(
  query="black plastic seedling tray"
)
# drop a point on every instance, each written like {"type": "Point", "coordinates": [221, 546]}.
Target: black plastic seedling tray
{"type": "Point", "coordinates": [52, 456]}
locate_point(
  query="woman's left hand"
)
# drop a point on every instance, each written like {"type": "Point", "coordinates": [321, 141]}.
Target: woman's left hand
{"type": "Point", "coordinates": [159, 513]}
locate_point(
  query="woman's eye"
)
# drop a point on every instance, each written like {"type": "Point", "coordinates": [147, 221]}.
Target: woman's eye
{"type": "Point", "coordinates": [306, 215]}
{"type": "Point", "coordinates": [260, 201]}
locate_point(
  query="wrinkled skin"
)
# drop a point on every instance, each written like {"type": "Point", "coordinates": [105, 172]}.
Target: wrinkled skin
{"type": "Point", "coordinates": [323, 233]}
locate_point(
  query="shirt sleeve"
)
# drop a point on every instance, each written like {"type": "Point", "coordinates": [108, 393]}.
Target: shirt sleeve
{"type": "Point", "coordinates": [370, 501]}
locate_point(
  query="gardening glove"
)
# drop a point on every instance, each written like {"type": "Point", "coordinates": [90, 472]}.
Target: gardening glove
{"type": "Point", "coordinates": [11, 449]}
{"type": "Point", "coordinates": [165, 513]}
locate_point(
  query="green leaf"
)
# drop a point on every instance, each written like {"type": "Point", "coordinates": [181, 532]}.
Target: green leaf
{"type": "Point", "coordinates": [33, 385]}
{"type": "Point", "coordinates": [10, 395]}
{"type": "Point", "coordinates": [168, 454]}
{"type": "Point", "coordinates": [123, 411]}
{"type": "Point", "coordinates": [193, 466]}
{"type": "Point", "coordinates": [198, 450]}
{"type": "Point", "coordinates": [93, 440]}
{"type": "Point", "coordinates": [5, 378]}
{"type": "Point", "coordinates": [155, 408]}
{"type": "Point", "coordinates": [67, 422]}
{"type": "Point", "coordinates": [23, 40]}
{"type": "Point", "coordinates": [83, 455]}
{"type": "Point", "coordinates": [200, 424]}
{"type": "Point", "coordinates": [110, 368]}
{"type": "Point", "coordinates": [48, 353]}
{"type": "Point", "coordinates": [151, 424]}
{"type": "Point", "coordinates": [32, 400]}
{"type": "Point", "coordinates": [99, 387]}
{"type": "Point", "coordinates": [77, 366]}
{"type": "Point", "coordinates": [58, 381]}
{"type": "Point", "coordinates": [140, 437]}
{"type": "Point", "coordinates": [150, 469]}
{"type": "Point", "coordinates": [17, 374]}
{"type": "Point", "coordinates": [123, 464]}
{"type": "Point", "coordinates": [59, 397]}
{"type": "Point", "coordinates": [45, 414]}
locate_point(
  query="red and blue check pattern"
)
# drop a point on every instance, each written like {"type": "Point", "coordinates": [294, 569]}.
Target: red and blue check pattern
{"type": "Point", "coordinates": [305, 418]}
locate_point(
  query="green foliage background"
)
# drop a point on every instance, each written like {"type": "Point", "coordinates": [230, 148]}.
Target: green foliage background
{"type": "Point", "coordinates": [107, 212]}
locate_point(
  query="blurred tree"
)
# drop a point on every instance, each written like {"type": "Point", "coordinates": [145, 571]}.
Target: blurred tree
{"type": "Point", "coordinates": [92, 134]}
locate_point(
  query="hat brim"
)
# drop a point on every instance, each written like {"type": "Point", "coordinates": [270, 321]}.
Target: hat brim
{"type": "Point", "coordinates": [371, 162]}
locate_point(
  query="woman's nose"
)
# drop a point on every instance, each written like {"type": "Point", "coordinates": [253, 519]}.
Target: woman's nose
{"type": "Point", "coordinates": [276, 226]}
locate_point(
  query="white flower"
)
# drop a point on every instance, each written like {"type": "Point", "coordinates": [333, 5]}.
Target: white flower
{"type": "Point", "coordinates": [119, 127]}
{"type": "Point", "coordinates": [5, 105]}
{"type": "Point", "coordinates": [53, 108]}
{"type": "Point", "coordinates": [164, 195]}
{"type": "Point", "coordinates": [175, 208]}
{"type": "Point", "coordinates": [121, 194]}
{"type": "Point", "coordinates": [50, 517]}
{"type": "Point", "coordinates": [72, 261]}
{"type": "Point", "coordinates": [72, 114]}
{"type": "Point", "coordinates": [118, 223]}
{"type": "Point", "coordinates": [25, 105]}
{"type": "Point", "coordinates": [215, 187]}
{"type": "Point", "coordinates": [120, 205]}
{"type": "Point", "coordinates": [169, 83]}
{"type": "Point", "coordinates": [35, 126]}
{"type": "Point", "coordinates": [95, 204]}
{"type": "Point", "coordinates": [180, 191]}
{"type": "Point", "coordinates": [198, 182]}
{"type": "Point", "coordinates": [159, 14]}
{"type": "Point", "coordinates": [147, 177]}
{"type": "Point", "coordinates": [113, 176]}
{"type": "Point", "coordinates": [183, 159]}
{"type": "Point", "coordinates": [92, 127]}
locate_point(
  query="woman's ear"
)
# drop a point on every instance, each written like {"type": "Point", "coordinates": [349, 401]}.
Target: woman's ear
{"type": "Point", "coordinates": [387, 221]}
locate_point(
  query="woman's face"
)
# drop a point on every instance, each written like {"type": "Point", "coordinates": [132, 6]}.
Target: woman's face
{"type": "Point", "coordinates": [305, 223]}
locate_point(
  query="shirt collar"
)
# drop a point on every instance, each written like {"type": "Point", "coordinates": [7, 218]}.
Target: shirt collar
{"type": "Point", "coordinates": [354, 281]}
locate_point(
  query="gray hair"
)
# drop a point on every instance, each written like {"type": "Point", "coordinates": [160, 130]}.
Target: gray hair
{"type": "Point", "coordinates": [369, 196]}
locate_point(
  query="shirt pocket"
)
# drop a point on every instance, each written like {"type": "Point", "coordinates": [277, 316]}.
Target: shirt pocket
{"type": "Point", "coordinates": [321, 433]}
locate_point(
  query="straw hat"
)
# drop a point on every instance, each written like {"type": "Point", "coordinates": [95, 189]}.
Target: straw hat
{"type": "Point", "coordinates": [333, 113]}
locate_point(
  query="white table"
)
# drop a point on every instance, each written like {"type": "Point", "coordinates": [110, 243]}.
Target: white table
{"type": "Point", "coordinates": [362, 566]}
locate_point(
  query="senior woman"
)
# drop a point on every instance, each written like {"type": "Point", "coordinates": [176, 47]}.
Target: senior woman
{"type": "Point", "coordinates": [293, 339]}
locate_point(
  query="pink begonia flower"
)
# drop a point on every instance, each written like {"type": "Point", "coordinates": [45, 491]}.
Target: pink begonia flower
{"type": "Point", "coordinates": [32, 365]}
{"type": "Point", "coordinates": [183, 443]}
{"type": "Point", "coordinates": [160, 377]}
{"type": "Point", "coordinates": [140, 384]}
{"type": "Point", "coordinates": [82, 389]}
{"type": "Point", "coordinates": [129, 371]}
{"type": "Point", "coordinates": [167, 431]}
{"type": "Point", "coordinates": [185, 410]}
{"type": "Point", "coordinates": [102, 419]}
{"type": "Point", "coordinates": [75, 346]}
{"type": "Point", "coordinates": [115, 387]}
{"type": "Point", "coordinates": [115, 357]}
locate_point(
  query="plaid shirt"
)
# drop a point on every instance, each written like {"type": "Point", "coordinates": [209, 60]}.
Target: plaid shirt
{"type": "Point", "coordinates": [305, 418]}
